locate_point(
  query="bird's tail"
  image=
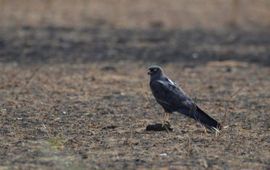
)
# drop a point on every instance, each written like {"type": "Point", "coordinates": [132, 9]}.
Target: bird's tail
{"type": "Point", "coordinates": [206, 120]}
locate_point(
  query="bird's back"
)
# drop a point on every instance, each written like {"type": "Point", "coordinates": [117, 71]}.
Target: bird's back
{"type": "Point", "coordinates": [169, 95]}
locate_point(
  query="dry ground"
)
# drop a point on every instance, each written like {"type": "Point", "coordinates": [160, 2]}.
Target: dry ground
{"type": "Point", "coordinates": [79, 98]}
{"type": "Point", "coordinates": [74, 90]}
{"type": "Point", "coordinates": [94, 116]}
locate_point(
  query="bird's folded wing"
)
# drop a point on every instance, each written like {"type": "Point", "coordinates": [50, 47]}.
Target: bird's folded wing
{"type": "Point", "coordinates": [170, 94]}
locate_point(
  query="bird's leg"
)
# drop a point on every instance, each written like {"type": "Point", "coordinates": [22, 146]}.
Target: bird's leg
{"type": "Point", "coordinates": [205, 130]}
{"type": "Point", "coordinates": [166, 123]}
{"type": "Point", "coordinates": [166, 119]}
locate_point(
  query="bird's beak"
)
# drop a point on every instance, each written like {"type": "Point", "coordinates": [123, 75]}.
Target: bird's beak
{"type": "Point", "coordinates": [149, 72]}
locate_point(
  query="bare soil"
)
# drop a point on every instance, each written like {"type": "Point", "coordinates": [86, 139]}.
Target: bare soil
{"type": "Point", "coordinates": [74, 90]}
{"type": "Point", "coordinates": [77, 97]}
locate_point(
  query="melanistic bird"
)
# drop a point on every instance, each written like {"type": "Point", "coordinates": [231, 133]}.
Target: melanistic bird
{"type": "Point", "coordinates": [173, 99]}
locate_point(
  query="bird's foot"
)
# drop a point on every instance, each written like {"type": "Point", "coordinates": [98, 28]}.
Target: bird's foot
{"type": "Point", "coordinates": [166, 123]}
{"type": "Point", "coordinates": [167, 126]}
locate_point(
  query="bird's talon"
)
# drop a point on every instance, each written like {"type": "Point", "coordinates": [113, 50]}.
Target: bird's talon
{"type": "Point", "coordinates": [166, 124]}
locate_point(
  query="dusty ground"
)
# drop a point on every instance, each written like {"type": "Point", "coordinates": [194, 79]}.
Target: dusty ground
{"type": "Point", "coordinates": [74, 101]}
{"type": "Point", "coordinates": [76, 96]}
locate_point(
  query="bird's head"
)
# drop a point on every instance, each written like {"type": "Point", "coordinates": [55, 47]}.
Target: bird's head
{"type": "Point", "coordinates": [155, 71]}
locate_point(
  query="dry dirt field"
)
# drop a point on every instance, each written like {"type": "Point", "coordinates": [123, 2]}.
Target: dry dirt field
{"type": "Point", "coordinates": [69, 101]}
{"type": "Point", "coordinates": [76, 97]}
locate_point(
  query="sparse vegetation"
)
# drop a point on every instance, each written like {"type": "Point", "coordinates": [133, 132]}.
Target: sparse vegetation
{"type": "Point", "coordinates": [76, 97]}
{"type": "Point", "coordinates": [99, 117]}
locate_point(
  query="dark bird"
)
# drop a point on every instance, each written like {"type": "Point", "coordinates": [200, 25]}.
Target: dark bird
{"type": "Point", "coordinates": [173, 99]}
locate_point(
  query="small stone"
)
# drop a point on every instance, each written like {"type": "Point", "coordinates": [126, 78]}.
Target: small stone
{"type": "Point", "coordinates": [159, 127]}
{"type": "Point", "coordinates": [163, 154]}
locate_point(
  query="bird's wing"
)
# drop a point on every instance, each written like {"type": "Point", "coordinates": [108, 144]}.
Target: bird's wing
{"type": "Point", "coordinates": [170, 81]}
{"type": "Point", "coordinates": [171, 96]}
